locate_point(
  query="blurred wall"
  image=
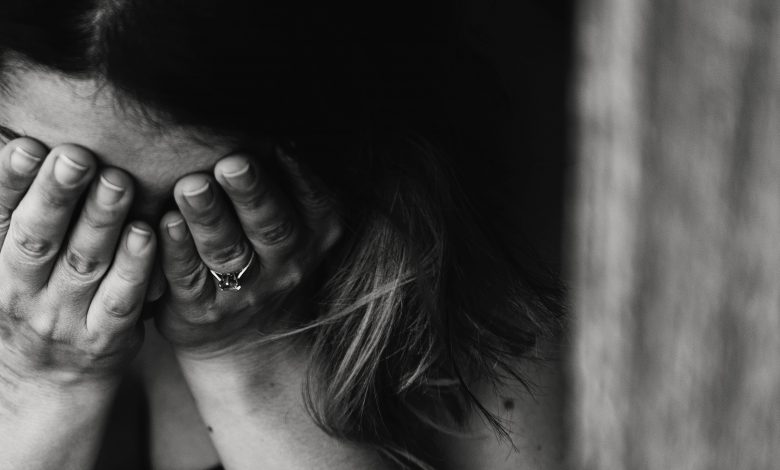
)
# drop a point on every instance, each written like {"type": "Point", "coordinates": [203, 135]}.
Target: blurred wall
{"type": "Point", "coordinates": [676, 259]}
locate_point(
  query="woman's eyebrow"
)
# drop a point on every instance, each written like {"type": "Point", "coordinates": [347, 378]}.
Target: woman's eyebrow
{"type": "Point", "coordinates": [9, 134]}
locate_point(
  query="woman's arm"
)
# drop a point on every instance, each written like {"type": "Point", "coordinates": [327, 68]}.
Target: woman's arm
{"type": "Point", "coordinates": [248, 392]}
{"type": "Point", "coordinates": [45, 428]}
{"type": "Point", "coordinates": [254, 410]}
{"type": "Point", "coordinates": [70, 300]}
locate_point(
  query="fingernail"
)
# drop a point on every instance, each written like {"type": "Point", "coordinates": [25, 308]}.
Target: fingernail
{"type": "Point", "coordinates": [239, 178]}
{"type": "Point", "coordinates": [137, 239]}
{"type": "Point", "coordinates": [177, 230]}
{"type": "Point", "coordinates": [107, 192]}
{"type": "Point", "coordinates": [199, 198]}
{"type": "Point", "coordinates": [67, 171]}
{"type": "Point", "coordinates": [23, 161]}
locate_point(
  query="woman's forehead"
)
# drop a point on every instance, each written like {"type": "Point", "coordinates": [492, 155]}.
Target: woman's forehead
{"type": "Point", "coordinates": [57, 110]}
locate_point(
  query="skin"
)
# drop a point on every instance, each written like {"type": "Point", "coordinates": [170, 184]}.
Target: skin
{"type": "Point", "coordinates": [82, 297]}
{"type": "Point", "coordinates": [69, 304]}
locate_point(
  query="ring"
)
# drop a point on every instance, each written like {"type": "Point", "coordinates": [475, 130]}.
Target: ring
{"type": "Point", "coordinates": [230, 281]}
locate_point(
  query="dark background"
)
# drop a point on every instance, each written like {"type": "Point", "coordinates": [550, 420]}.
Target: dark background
{"type": "Point", "coordinates": [528, 45]}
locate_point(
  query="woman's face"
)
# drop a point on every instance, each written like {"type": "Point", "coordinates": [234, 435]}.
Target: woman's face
{"type": "Point", "coordinates": [57, 110]}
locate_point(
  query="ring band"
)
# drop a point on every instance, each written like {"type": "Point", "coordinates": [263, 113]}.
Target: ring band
{"type": "Point", "coordinates": [231, 281]}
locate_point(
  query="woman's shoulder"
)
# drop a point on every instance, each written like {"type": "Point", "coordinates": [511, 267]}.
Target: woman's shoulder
{"type": "Point", "coordinates": [533, 417]}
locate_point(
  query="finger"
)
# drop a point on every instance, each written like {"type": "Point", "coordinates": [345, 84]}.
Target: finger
{"type": "Point", "coordinates": [218, 236]}
{"type": "Point", "coordinates": [187, 276]}
{"type": "Point", "coordinates": [93, 240]}
{"type": "Point", "coordinates": [267, 219]}
{"type": "Point", "coordinates": [19, 163]}
{"type": "Point", "coordinates": [39, 223]}
{"type": "Point", "coordinates": [316, 205]}
{"type": "Point", "coordinates": [119, 299]}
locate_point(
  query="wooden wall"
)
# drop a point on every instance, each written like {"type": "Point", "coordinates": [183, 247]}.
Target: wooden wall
{"type": "Point", "coordinates": [675, 235]}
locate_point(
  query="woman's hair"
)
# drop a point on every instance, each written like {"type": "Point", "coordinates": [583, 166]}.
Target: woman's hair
{"type": "Point", "coordinates": [423, 299]}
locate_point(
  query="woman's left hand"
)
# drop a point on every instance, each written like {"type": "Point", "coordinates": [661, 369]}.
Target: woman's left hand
{"type": "Point", "coordinates": [249, 222]}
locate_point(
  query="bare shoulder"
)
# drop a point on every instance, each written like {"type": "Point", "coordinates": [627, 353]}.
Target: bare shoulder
{"type": "Point", "coordinates": [535, 421]}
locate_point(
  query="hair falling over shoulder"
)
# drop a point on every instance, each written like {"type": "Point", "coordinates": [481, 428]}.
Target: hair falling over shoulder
{"type": "Point", "coordinates": [423, 305]}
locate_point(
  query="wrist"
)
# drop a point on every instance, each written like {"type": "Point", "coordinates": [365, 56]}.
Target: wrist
{"type": "Point", "coordinates": [34, 393]}
{"type": "Point", "coordinates": [57, 372]}
{"type": "Point", "coordinates": [257, 416]}
{"type": "Point", "coordinates": [48, 425]}
{"type": "Point", "coordinates": [266, 370]}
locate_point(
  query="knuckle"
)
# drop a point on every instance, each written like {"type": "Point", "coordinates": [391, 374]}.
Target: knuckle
{"type": "Point", "coordinates": [251, 199]}
{"type": "Point", "coordinates": [44, 327]}
{"type": "Point", "coordinates": [210, 221]}
{"type": "Point", "coordinates": [191, 282]}
{"type": "Point", "coordinates": [82, 265]}
{"type": "Point", "coordinates": [208, 316]}
{"type": "Point", "coordinates": [131, 278]}
{"type": "Point", "coordinates": [277, 232]}
{"type": "Point", "coordinates": [118, 306]}
{"type": "Point", "coordinates": [99, 219]}
{"type": "Point", "coordinates": [227, 253]}
{"type": "Point", "coordinates": [32, 246]}
{"type": "Point", "coordinates": [56, 198]}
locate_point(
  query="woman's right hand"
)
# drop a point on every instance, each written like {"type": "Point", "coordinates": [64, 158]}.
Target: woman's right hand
{"type": "Point", "coordinates": [73, 275]}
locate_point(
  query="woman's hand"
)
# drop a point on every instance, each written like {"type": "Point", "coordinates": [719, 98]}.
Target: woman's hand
{"type": "Point", "coordinates": [249, 393]}
{"type": "Point", "coordinates": [73, 280]}
{"type": "Point", "coordinates": [72, 290]}
{"type": "Point", "coordinates": [248, 219]}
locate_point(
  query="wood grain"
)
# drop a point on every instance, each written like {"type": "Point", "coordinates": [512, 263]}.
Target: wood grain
{"type": "Point", "coordinates": [675, 235]}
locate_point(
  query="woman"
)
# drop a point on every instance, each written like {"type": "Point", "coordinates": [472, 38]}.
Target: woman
{"type": "Point", "coordinates": [265, 177]}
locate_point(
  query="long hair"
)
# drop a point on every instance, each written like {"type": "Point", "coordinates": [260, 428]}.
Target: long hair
{"type": "Point", "coordinates": [421, 299]}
